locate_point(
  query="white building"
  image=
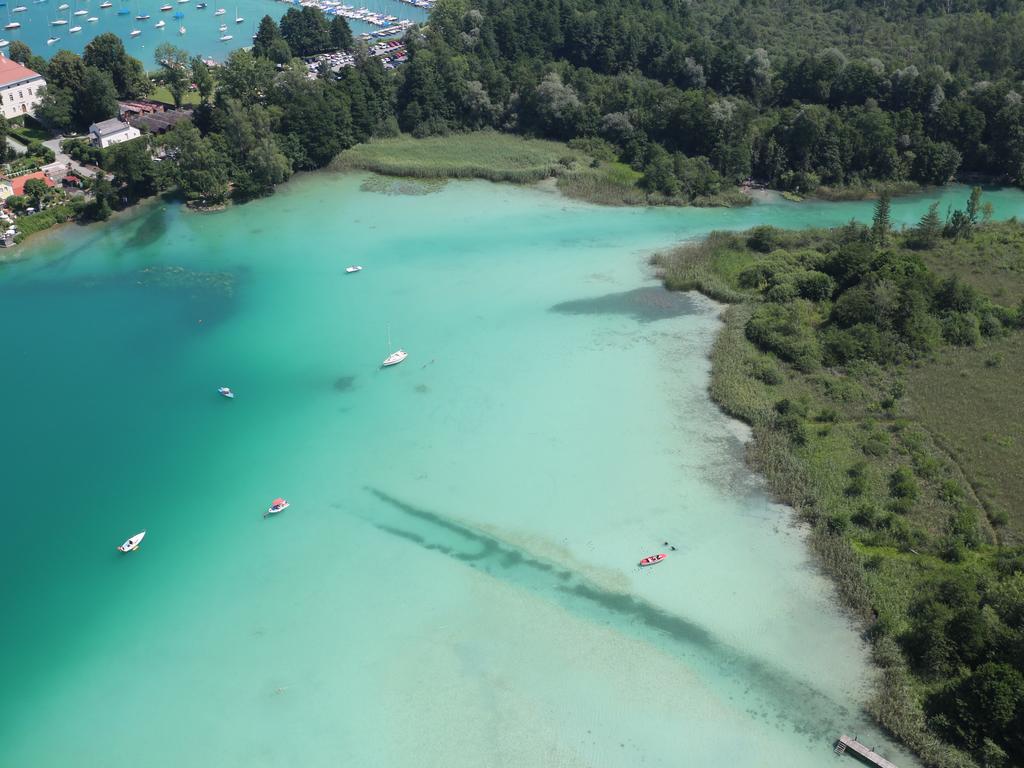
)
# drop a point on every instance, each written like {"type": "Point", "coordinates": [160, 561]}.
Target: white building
{"type": "Point", "coordinates": [112, 131]}
{"type": "Point", "coordinates": [19, 88]}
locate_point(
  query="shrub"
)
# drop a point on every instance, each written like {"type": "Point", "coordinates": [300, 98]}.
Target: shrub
{"type": "Point", "coordinates": [764, 239]}
{"type": "Point", "coordinates": [786, 330]}
{"type": "Point", "coordinates": [902, 485]}
{"type": "Point", "coordinates": [815, 286]}
{"type": "Point", "coordinates": [783, 293]}
{"type": "Point", "coordinates": [766, 371]}
{"type": "Point", "coordinates": [962, 329]}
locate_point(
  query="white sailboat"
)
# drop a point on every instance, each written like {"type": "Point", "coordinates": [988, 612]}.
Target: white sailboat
{"type": "Point", "coordinates": [160, 24]}
{"type": "Point", "coordinates": [393, 358]}
{"type": "Point", "coordinates": [238, 19]}
{"type": "Point", "coordinates": [132, 544]}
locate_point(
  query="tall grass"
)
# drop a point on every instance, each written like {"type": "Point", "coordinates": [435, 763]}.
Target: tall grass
{"type": "Point", "coordinates": [691, 267]}
{"type": "Point", "coordinates": [481, 155]}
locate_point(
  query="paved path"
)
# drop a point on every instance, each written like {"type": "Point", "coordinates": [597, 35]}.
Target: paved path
{"type": "Point", "coordinates": [61, 157]}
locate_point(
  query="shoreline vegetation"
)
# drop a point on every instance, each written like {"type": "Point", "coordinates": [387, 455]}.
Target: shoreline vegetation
{"type": "Point", "coordinates": [848, 352]}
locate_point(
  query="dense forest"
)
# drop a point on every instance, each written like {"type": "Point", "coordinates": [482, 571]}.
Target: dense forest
{"type": "Point", "coordinates": [803, 96]}
{"type": "Point", "coordinates": [799, 94]}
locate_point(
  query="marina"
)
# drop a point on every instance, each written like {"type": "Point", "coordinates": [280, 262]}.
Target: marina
{"type": "Point", "coordinates": [196, 30]}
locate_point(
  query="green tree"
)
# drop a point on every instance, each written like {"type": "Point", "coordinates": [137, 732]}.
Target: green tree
{"type": "Point", "coordinates": [96, 100]}
{"type": "Point", "coordinates": [200, 171]}
{"type": "Point", "coordinates": [37, 190]}
{"type": "Point", "coordinates": [929, 229]}
{"type": "Point", "coordinates": [341, 33]}
{"type": "Point", "coordinates": [134, 171]}
{"type": "Point", "coordinates": [106, 52]}
{"type": "Point", "coordinates": [881, 225]}
{"type": "Point", "coordinates": [175, 64]}
{"type": "Point", "coordinates": [203, 78]}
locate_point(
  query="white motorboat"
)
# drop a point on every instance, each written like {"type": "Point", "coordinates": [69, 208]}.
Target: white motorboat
{"type": "Point", "coordinates": [63, 7]}
{"type": "Point", "coordinates": [58, 22]}
{"type": "Point", "coordinates": [81, 12]}
{"type": "Point", "coordinates": [166, 7]}
{"type": "Point", "coordinates": [4, 43]}
{"type": "Point", "coordinates": [133, 543]}
{"type": "Point", "coordinates": [160, 24]}
{"type": "Point", "coordinates": [219, 12]}
{"type": "Point", "coordinates": [12, 25]}
{"type": "Point", "coordinates": [353, 268]}
{"type": "Point", "coordinates": [52, 40]}
{"type": "Point", "coordinates": [225, 38]}
{"type": "Point", "coordinates": [19, 9]}
{"type": "Point", "coordinates": [278, 505]}
{"type": "Point", "coordinates": [226, 391]}
{"type": "Point", "coordinates": [93, 19]}
{"type": "Point", "coordinates": [107, 4]}
{"type": "Point", "coordinates": [135, 33]}
{"type": "Point", "coordinates": [74, 29]}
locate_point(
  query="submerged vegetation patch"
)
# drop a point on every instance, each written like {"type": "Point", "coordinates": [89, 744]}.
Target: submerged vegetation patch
{"type": "Point", "coordinates": [644, 305]}
{"type": "Point", "coordinates": [388, 185]}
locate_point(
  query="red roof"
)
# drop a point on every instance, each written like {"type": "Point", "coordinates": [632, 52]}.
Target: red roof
{"type": "Point", "coordinates": [18, 182]}
{"type": "Point", "coordinates": [12, 71]}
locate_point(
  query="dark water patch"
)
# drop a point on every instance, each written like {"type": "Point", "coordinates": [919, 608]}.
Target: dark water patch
{"type": "Point", "coordinates": [149, 228]}
{"type": "Point", "coordinates": [421, 389]}
{"type": "Point", "coordinates": [804, 708]}
{"type": "Point", "coordinates": [645, 305]}
{"type": "Point", "coordinates": [344, 383]}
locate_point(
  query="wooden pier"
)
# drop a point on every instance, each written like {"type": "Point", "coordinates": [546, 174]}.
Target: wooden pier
{"type": "Point", "coordinates": [846, 743]}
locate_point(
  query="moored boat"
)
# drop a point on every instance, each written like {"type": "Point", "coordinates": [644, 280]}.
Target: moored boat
{"type": "Point", "coordinates": [226, 391]}
{"type": "Point", "coordinates": [219, 12]}
{"type": "Point", "coordinates": [653, 559]}
{"type": "Point", "coordinates": [74, 29]}
{"type": "Point", "coordinates": [395, 357]}
{"type": "Point", "coordinates": [107, 4]}
{"type": "Point", "coordinates": [12, 25]}
{"type": "Point", "coordinates": [353, 268]}
{"type": "Point", "coordinates": [225, 38]}
{"type": "Point", "coordinates": [160, 24]}
{"type": "Point", "coordinates": [132, 544]}
{"type": "Point", "coordinates": [278, 505]}
{"type": "Point", "coordinates": [135, 33]}
{"type": "Point", "coordinates": [4, 43]}
{"type": "Point", "coordinates": [52, 40]}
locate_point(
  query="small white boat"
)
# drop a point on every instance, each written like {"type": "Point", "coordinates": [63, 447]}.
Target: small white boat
{"type": "Point", "coordinates": [394, 358]}
{"type": "Point", "coordinates": [160, 24]}
{"type": "Point", "coordinates": [278, 505]}
{"type": "Point", "coordinates": [133, 543]}
{"type": "Point", "coordinates": [12, 25]}
{"type": "Point", "coordinates": [82, 12]}
{"type": "Point", "coordinates": [225, 38]}
{"type": "Point", "coordinates": [238, 19]}
{"type": "Point", "coordinates": [106, 5]}
{"type": "Point", "coordinates": [219, 12]}
{"type": "Point", "coordinates": [353, 268]}
{"type": "Point", "coordinates": [134, 33]}
{"type": "Point", "coordinates": [142, 17]}
{"type": "Point", "coordinates": [63, 7]}
{"type": "Point", "coordinates": [19, 9]}
{"type": "Point", "coordinates": [58, 22]}
{"type": "Point", "coordinates": [181, 30]}
{"type": "Point", "coordinates": [226, 391]}
{"type": "Point", "coordinates": [93, 19]}
{"type": "Point", "coordinates": [74, 29]}
{"type": "Point", "coordinates": [52, 40]}
{"type": "Point", "coordinates": [166, 7]}
{"type": "Point", "coordinates": [223, 27]}
{"type": "Point", "coordinates": [4, 43]}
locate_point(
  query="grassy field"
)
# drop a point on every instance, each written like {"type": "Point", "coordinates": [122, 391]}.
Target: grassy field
{"type": "Point", "coordinates": [504, 157]}
{"type": "Point", "coordinates": [839, 443]}
{"type": "Point", "coordinates": [160, 93]}
{"type": "Point", "coordinates": [480, 155]}
{"type": "Point", "coordinates": [965, 398]}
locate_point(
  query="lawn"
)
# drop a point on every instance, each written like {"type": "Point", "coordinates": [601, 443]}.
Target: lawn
{"type": "Point", "coordinates": [160, 93]}
{"type": "Point", "coordinates": [483, 154]}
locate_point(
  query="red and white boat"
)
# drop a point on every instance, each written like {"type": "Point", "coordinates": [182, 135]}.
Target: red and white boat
{"type": "Point", "coordinates": [653, 559]}
{"type": "Point", "coordinates": [133, 543]}
{"type": "Point", "coordinates": [278, 505]}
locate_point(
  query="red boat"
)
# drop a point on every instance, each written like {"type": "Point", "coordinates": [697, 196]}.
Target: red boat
{"type": "Point", "coordinates": [653, 559]}
{"type": "Point", "coordinates": [279, 505]}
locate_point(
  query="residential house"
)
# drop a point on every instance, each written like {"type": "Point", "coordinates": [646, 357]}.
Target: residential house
{"type": "Point", "coordinates": [112, 131]}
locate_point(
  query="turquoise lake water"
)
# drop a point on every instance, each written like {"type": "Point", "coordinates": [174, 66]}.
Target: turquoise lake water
{"type": "Point", "coordinates": [455, 583]}
{"type": "Point", "coordinates": [202, 28]}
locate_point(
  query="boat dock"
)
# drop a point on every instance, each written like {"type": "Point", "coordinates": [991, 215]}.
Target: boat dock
{"type": "Point", "coordinates": [867, 755]}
